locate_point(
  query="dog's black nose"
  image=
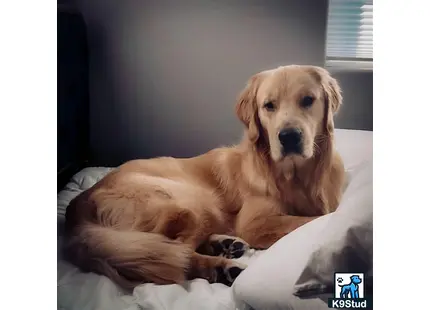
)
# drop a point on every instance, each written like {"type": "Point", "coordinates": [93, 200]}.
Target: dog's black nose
{"type": "Point", "coordinates": [291, 140]}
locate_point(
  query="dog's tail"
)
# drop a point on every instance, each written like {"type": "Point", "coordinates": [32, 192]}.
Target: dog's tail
{"type": "Point", "coordinates": [128, 257]}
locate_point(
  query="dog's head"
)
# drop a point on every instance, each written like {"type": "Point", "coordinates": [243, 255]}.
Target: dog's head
{"type": "Point", "coordinates": [289, 109]}
{"type": "Point", "coordinates": [355, 279]}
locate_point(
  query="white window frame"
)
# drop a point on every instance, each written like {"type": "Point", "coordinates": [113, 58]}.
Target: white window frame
{"type": "Point", "coordinates": [340, 62]}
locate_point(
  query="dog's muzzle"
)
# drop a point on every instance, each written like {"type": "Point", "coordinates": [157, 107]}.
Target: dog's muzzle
{"type": "Point", "coordinates": [291, 140]}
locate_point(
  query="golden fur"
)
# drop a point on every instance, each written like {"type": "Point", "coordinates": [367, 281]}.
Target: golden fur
{"type": "Point", "coordinates": [144, 221]}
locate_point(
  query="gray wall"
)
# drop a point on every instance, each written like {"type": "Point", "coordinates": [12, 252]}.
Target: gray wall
{"type": "Point", "coordinates": [357, 110]}
{"type": "Point", "coordinates": [164, 75]}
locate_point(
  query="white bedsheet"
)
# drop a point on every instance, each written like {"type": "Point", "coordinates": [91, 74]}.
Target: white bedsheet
{"type": "Point", "coordinates": [85, 291]}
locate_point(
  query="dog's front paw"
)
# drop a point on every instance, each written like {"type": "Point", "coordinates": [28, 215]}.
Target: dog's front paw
{"type": "Point", "coordinates": [227, 274]}
{"type": "Point", "coordinates": [227, 246]}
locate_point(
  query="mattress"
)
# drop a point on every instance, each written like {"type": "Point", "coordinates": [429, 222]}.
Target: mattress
{"type": "Point", "coordinates": [82, 291]}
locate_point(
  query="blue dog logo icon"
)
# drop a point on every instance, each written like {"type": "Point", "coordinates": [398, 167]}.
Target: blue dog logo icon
{"type": "Point", "coordinates": [350, 290]}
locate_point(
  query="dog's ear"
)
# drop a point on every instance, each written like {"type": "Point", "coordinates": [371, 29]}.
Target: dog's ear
{"type": "Point", "coordinates": [333, 101]}
{"type": "Point", "coordinates": [332, 94]}
{"type": "Point", "coordinates": [332, 91]}
{"type": "Point", "coordinates": [333, 97]}
{"type": "Point", "coordinates": [246, 107]}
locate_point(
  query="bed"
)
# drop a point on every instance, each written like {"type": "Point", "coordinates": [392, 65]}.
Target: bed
{"type": "Point", "coordinates": [78, 290]}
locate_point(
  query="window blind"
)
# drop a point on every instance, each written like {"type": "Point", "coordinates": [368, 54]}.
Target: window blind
{"type": "Point", "coordinates": [349, 41]}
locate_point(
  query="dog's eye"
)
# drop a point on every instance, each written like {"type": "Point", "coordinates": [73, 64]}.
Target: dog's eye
{"type": "Point", "coordinates": [269, 106]}
{"type": "Point", "coordinates": [307, 101]}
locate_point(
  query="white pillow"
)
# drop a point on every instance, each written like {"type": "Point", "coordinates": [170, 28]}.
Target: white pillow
{"type": "Point", "coordinates": [348, 245]}
{"type": "Point", "coordinates": [270, 282]}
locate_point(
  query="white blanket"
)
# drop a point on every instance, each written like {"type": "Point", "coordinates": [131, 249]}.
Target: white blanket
{"type": "Point", "coordinates": [85, 291]}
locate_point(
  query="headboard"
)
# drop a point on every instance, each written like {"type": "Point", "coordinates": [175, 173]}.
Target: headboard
{"type": "Point", "coordinates": [72, 96]}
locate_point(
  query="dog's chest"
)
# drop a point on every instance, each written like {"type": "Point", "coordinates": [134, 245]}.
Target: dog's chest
{"type": "Point", "coordinates": [296, 199]}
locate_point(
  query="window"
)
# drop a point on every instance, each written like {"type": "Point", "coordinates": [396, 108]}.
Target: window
{"type": "Point", "coordinates": [349, 42]}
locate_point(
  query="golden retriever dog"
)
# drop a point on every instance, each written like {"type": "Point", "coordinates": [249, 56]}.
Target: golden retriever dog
{"type": "Point", "coordinates": [165, 220]}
